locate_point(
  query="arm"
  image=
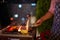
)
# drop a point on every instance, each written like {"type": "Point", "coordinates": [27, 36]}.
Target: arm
{"type": "Point", "coordinates": [48, 15]}
{"type": "Point", "coordinates": [50, 12]}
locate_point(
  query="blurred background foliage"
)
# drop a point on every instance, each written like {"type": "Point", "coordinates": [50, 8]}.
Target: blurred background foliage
{"type": "Point", "coordinates": [42, 8]}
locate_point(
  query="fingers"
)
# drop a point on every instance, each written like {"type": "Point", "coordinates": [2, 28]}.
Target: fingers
{"type": "Point", "coordinates": [39, 22]}
{"type": "Point", "coordinates": [36, 25]}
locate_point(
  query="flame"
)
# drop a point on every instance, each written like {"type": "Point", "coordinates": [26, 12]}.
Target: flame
{"type": "Point", "coordinates": [27, 24]}
{"type": "Point", "coordinates": [19, 29]}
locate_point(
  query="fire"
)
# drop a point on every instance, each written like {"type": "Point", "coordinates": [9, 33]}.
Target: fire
{"type": "Point", "coordinates": [19, 29]}
{"type": "Point", "coordinates": [24, 30]}
{"type": "Point", "coordinates": [27, 25]}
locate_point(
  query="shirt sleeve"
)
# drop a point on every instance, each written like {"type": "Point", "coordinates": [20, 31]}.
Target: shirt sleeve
{"type": "Point", "coordinates": [52, 6]}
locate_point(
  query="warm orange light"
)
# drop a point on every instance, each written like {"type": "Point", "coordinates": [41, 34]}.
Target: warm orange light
{"type": "Point", "coordinates": [27, 24]}
{"type": "Point", "coordinates": [19, 29]}
{"type": "Point", "coordinates": [25, 29]}
{"type": "Point", "coordinates": [12, 28]}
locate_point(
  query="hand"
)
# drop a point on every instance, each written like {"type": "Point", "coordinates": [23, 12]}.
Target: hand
{"type": "Point", "coordinates": [38, 22]}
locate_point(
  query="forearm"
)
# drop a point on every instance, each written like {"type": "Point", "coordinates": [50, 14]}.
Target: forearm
{"type": "Point", "coordinates": [46, 16]}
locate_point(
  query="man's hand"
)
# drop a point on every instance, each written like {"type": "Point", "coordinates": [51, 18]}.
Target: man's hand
{"type": "Point", "coordinates": [38, 22]}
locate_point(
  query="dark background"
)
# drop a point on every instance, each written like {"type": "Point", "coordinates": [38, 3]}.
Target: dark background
{"type": "Point", "coordinates": [4, 14]}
